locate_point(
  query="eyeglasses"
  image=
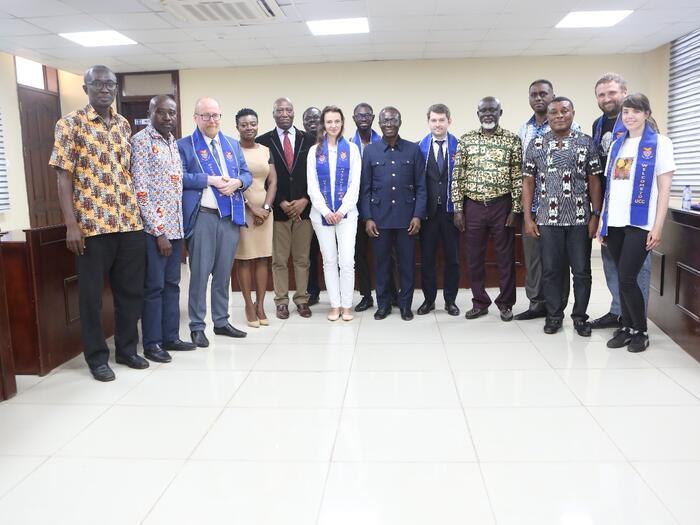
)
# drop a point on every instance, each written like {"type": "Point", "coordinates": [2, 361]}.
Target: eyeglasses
{"type": "Point", "coordinates": [165, 112]}
{"type": "Point", "coordinates": [389, 121]}
{"type": "Point", "coordinates": [209, 116]}
{"type": "Point", "coordinates": [99, 84]}
{"type": "Point", "coordinates": [364, 116]}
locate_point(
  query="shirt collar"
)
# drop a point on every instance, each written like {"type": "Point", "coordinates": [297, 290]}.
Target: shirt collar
{"type": "Point", "coordinates": [292, 132]}
{"type": "Point", "coordinates": [397, 146]}
{"type": "Point", "coordinates": [153, 132]}
{"type": "Point", "coordinates": [533, 122]}
{"type": "Point", "coordinates": [499, 131]}
{"type": "Point", "coordinates": [93, 115]}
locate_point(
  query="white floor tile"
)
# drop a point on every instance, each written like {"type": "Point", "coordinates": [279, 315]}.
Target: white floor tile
{"type": "Point", "coordinates": [268, 434]}
{"type": "Point", "coordinates": [626, 388]}
{"type": "Point", "coordinates": [242, 493]}
{"type": "Point", "coordinates": [676, 485]}
{"type": "Point", "coordinates": [653, 433]}
{"type": "Point", "coordinates": [513, 388]}
{"type": "Point", "coordinates": [25, 382]}
{"type": "Point", "coordinates": [571, 494]}
{"type": "Point", "coordinates": [403, 435]}
{"type": "Point", "coordinates": [143, 432]}
{"type": "Point", "coordinates": [292, 390]}
{"type": "Point", "coordinates": [480, 331]}
{"type": "Point", "coordinates": [398, 357]}
{"type": "Point", "coordinates": [306, 357]}
{"type": "Point", "coordinates": [538, 434]}
{"type": "Point", "coordinates": [588, 354]}
{"type": "Point", "coordinates": [688, 378]}
{"type": "Point", "coordinates": [405, 494]}
{"type": "Point", "coordinates": [40, 430]}
{"type": "Point", "coordinates": [401, 390]}
{"type": "Point", "coordinates": [241, 357]}
{"type": "Point", "coordinates": [312, 333]}
{"type": "Point", "coordinates": [14, 469]}
{"type": "Point", "coordinates": [75, 491]}
{"type": "Point", "coordinates": [197, 388]}
{"type": "Point", "coordinates": [672, 358]}
{"type": "Point", "coordinates": [393, 330]}
{"type": "Point", "coordinates": [495, 356]}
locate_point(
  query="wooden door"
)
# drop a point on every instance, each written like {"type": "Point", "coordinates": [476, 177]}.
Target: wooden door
{"type": "Point", "coordinates": [39, 111]}
{"type": "Point", "coordinates": [136, 112]}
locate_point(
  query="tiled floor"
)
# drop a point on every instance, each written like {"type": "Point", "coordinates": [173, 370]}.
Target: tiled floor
{"type": "Point", "coordinates": [438, 421]}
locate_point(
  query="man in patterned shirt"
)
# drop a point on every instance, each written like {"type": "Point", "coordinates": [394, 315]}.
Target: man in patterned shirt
{"type": "Point", "coordinates": [91, 156]}
{"type": "Point", "coordinates": [562, 166]}
{"type": "Point", "coordinates": [157, 172]}
{"type": "Point", "coordinates": [487, 184]}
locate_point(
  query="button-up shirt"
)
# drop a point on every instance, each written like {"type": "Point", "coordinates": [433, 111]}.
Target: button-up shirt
{"type": "Point", "coordinates": [98, 156]}
{"type": "Point", "coordinates": [488, 167]}
{"type": "Point", "coordinates": [561, 177]}
{"type": "Point", "coordinates": [157, 172]}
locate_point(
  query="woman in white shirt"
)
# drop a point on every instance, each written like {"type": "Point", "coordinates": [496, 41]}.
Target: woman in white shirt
{"type": "Point", "coordinates": [639, 171]}
{"type": "Point", "coordinates": [333, 179]}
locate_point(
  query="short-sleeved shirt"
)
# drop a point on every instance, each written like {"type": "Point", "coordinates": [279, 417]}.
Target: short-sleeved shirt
{"type": "Point", "coordinates": [561, 177]}
{"type": "Point", "coordinates": [487, 167]}
{"type": "Point", "coordinates": [157, 172]}
{"type": "Point", "coordinates": [98, 157]}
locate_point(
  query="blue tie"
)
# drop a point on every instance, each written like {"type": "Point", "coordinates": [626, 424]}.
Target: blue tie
{"type": "Point", "coordinates": [440, 155]}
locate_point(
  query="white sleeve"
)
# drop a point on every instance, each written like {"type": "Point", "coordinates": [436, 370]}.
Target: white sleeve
{"type": "Point", "coordinates": [664, 156]}
{"type": "Point", "coordinates": [350, 199]}
{"type": "Point", "coordinates": [312, 188]}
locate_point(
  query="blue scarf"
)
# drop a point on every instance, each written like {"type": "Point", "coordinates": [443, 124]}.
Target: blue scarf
{"type": "Point", "coordinates": [452, 143]}
{"type": "Point", "coordinates": [342, 175]}
{"type": "Point", "coordinates": [643, 177]}
{"type": "Point", "coordinates": [374, 137]}
{"type": "Point", "coordinates": [232, 205]}
{"type": "Point", "coordinates": [618, 129]}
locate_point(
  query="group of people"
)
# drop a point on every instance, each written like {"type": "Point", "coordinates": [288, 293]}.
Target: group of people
{"type": "Point", "coordinates": [295, 193]}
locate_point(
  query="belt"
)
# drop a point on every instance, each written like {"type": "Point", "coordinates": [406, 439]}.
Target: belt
{"type": "Point", "coordinates": [204, 209]}
{"type": "Point", "coordinates": [490, 202]}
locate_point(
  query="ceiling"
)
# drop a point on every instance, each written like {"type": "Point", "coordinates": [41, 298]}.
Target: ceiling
{"type": "Point", "coordinates": [399, 30]}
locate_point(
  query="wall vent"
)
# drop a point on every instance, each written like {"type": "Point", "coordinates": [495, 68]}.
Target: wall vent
{"type": "Point", "coordinates": [229, 12]}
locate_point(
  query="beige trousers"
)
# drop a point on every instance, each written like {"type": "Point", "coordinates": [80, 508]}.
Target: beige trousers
{"type": "Point", "coordinates": [291, 238]}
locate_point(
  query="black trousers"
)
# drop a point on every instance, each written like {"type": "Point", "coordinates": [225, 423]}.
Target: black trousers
{"type": "Point", "coordinates": [628, 248]}
{"type": "Point", "coordinates": [558, 242]}
{"type": "Point", "coordinates": [313, 288]}
{"type": "Point", "coordinates": [433, 230]}
{"type": "Point", "coordinates": [405, 246]}
{"type": "Point", "coordinates": [121, 257]}
{"type": "Point", "coordinates": [364, 283]}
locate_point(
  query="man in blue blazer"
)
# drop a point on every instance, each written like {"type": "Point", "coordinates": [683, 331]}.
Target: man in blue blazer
{"type": "Point", "coordinates": [393, 202]}
{"type": "Point", "coordinates": [215, 175]}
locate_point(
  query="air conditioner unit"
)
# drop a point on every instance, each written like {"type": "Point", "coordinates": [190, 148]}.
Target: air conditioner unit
{"type": "Point", "coordinates": [230, 12]}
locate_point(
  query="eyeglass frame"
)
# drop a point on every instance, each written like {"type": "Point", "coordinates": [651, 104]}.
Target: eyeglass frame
{"type": "Point", "coordinates": [99, 84]}
{"type": "Point", "coordinates": [206, 117]}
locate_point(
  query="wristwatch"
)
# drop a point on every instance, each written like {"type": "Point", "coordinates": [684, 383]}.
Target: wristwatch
{"type": "Point", "coordinates": [596, 213]}
{"type": "Point", "coordinates": [266, 207]}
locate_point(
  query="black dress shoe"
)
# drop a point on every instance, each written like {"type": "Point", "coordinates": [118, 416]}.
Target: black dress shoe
{"type": "Point", "coordinates": [621, 337]}
{"type": "Point", "coordinates": [530, 314]}
{"type": "Point", "coordinates": [313, 299]}
{"type": "Point", "coordinates": [507, 315]}
{"type": "Point", "coordinates": [199, 339]}
{"type": "Point", "coordinates": [476, 312]}
{"type": "Point", "coordinates": [365, 303]}
{"type": "Point", "coordinates": [133, 361]}
{"type": "Point", "coordinates": [426, 308]}
{"type": "Point", "coordinates": [103, 373]}
{"type": "Point", "coordinates": [406, 314]}
{"type": "Point", "coordinates": [381, 313]}
{"type": "Point", "coordinates": [178, 346]}
{"type": "Point", "coordinates": [552, 326]}
{"type": "Point", "coordinates": [583, 328]}
{"type": "Point", "coordinates": [157, 354]}
{"type": "Point", "coordinates": [451, 308]}
{"type": "Point", "coordinates": [639, 342]}
{"type": "Point", "coordinates": [609, 320]}
{"type": "Point", "coordinates": [229, 331]}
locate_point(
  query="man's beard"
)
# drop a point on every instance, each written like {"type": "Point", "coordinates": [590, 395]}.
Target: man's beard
{"type": "Point", "coordinates": [488, 125]}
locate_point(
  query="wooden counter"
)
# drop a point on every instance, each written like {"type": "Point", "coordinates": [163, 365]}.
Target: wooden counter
{"type": "Point", "coordinates": [8, 385]}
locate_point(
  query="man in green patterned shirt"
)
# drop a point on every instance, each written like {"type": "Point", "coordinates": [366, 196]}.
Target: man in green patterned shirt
{"type": "Point", "coordinates": [486, 189]}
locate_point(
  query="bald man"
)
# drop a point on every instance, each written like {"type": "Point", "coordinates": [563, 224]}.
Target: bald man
{"type": "Point", "coordinates": [215, 175]}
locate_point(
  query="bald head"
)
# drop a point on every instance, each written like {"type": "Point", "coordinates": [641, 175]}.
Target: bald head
{"type": "Point", "coordinates": [158, 99]}
{"type": "Point", "coordinates": [205, 101]}
{"type": "Point", "coordinates": [89, 75]}
{"type": "Point", "coordinates": [207, 116]}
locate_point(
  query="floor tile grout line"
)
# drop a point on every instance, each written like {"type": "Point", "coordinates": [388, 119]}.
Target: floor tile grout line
{"type": "Point", "coordinates": [663, 371]}
{"type": "Point", "coordinates": [25, 477]}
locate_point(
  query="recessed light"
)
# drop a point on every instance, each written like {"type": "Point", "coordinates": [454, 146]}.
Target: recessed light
{"type": "Point", "coordinates": [339, 26]}
{"type": "Point", "coordinates": [98, 38]}
{"type": "Point", "coordinates": [592, 18]}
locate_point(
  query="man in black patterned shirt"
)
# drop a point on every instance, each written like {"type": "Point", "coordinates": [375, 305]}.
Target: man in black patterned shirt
{"type": "Point", "coordinates": [564, 168]}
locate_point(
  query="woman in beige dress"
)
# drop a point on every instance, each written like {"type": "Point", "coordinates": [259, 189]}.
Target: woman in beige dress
{"type": "Point", "coordinates": [255, 245]}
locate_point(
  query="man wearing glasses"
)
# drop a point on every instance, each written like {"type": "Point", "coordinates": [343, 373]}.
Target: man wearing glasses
{"type": "Point", "coordinates": [215, 175]}
{"type": "Point", "coordinates": [91, 156]}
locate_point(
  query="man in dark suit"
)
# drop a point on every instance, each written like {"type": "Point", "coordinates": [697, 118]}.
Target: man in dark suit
{"type": "Point", "coordinates": [392, 202]}
{"type": "Point", "coordinates": [311, 119]}
{"type": "Point", "coordinates": [438, 149]}
{"type": "Point", "coordinates": [292, 228]}
{"type": "Point", "coordinates": [215, 175]}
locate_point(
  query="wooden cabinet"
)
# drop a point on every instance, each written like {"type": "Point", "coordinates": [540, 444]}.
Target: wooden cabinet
{"type": "Point", "coordinates": [8, 386]}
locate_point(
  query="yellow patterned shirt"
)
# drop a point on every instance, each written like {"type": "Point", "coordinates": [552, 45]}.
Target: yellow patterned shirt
{"type": "Point", "coordinates": [98, 158]}
{"type": "Point", "coordinates": [487, 167]}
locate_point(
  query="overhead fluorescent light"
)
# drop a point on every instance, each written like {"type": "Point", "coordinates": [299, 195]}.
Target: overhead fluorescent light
{"type": "Point", "coordinates": [98, 38]}
{"type": "Point", "coordinates": [592, 18]}
{"type": "Point", "coordinates": [339, 26]}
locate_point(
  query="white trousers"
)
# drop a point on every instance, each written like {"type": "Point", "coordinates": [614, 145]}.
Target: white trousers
{"type": "Point", "coordinates": [337, 243]}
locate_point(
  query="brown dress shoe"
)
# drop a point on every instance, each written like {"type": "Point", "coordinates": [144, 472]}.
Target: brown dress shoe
{"type": "Point", "coordinates": [304, 310]}
{"type": "Point", "coordinates": [282, 311]}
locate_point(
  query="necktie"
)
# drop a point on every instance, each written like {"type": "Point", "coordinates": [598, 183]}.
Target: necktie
{"type": "Point", "coordinates": [215, 153]}
{"type": "Point", "coordinates": [440, 155]}
{"type": "Point", "coordinates": [288, 153]}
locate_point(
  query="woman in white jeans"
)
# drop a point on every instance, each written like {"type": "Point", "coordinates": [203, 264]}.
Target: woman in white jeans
{"type": "Point", "coordinates": [333, 173]}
